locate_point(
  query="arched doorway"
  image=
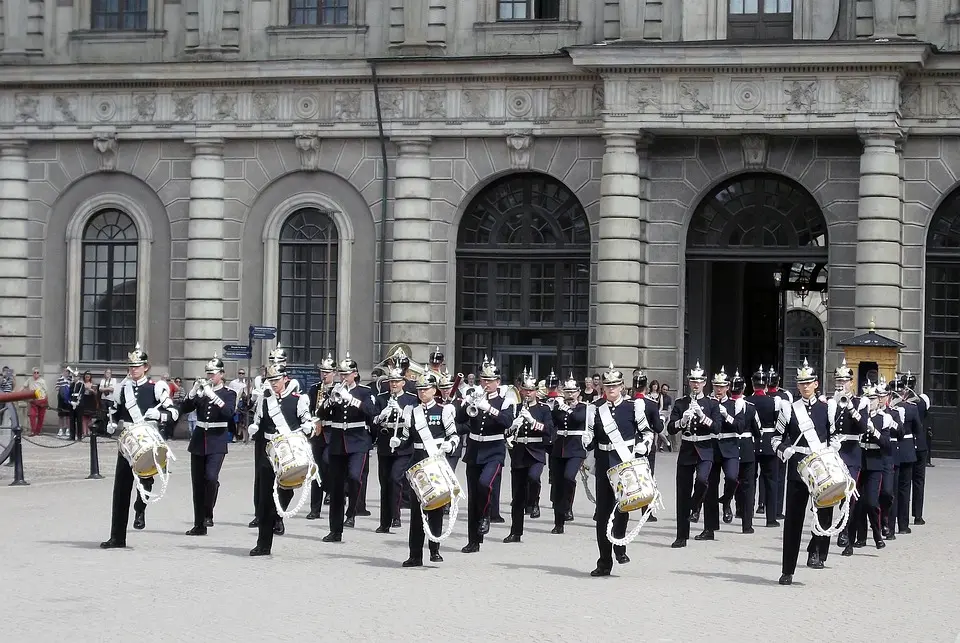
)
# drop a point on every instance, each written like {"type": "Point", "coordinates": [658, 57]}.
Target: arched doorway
{"type": "Point", "coordinates": [803, 340]}
{"type": "Point", "coordinates": [523, 278]}
{"type": "Point", "coordinates": [753, 239]}
{"type": "Point", "coordinates": [941, 345]}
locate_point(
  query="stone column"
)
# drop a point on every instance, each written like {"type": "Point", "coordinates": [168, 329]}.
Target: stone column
{"type": "Point", "coordinates": [14, 255]}
{"type": "Point", "coordinates": [619, 254]}
{"type": "Point", "coordinates": [409, 285]}
{"type": "Point", "coordinates": [203, 328]}
{"type": "Point", "coordinates": [878, 234]}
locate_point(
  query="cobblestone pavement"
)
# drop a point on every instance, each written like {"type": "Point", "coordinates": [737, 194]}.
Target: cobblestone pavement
{"type": "Point", "coordinates": [59, 584]}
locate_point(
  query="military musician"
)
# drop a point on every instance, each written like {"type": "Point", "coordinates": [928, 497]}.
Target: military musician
{"type": "Point", "coordinates": [319, 394]}
{"type": "Point", "coordinates": [922, 402]}
{"type": "Point", "coordinates": [619, 433]}
{"type": "Point", "coordinates": [571, 420]}
{"type": "Point", "coordinates": [393, 450]}
{"type": "Point", "coordinates": [432, 430]}
{"type": "Point", "coordinates": [487, 416]}
{"type": "Point", "coordinates": [847, 423]}
{"type": "Point", "coordinates": [280, 410]}
{"type": "Point", "coordinates": [528, 439]}
{"type": "Point", "coordinates": [888, 487]}
{"type": "Point", "coordinates": [907, 458]}
{"type": "Point", "coordinates": [137, 399]}
{"type": "Point", "coordinates": [652, 410]}
{"type": "Point", "coordinates": [768, 464]}
{"type": "Point", "coordinates": [435, 364]}
{"type": "Point", "coordinates": [726, 457]}
{"type": "Point", "coordinates": [698, 418]}
{"type": "Point", "coordinates": [449, 394]}
{"type": "Point", "coordinates": [750, 437]}
{"type": "Point", "coordinates": [804, 427]}
{"type": "Point", "coordinates": [875, 427]}
{"type": "Point", "coordinates": [351, 409]}
{"type": "Point", "coordinates": [215, 406]}
{"type": "Point", "coordinates": [774, 390]}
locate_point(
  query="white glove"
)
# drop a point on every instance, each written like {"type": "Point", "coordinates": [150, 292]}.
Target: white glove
{"type": "Point", "coordinates": [347, 397]}
{"type": "Point", "coordinates": [483, 404]}
{"type": "Point", "coordinates": [307, 429]}
{"type": "Point", "coordinates": [208, 391]}
{"type": "Point", "coordinates": [873, 433]}
{"type": "Point", "coordinates": [724, 412]}
{"type": "Point", "coordinates": [195, 389]}
{"type": "Point", "coordinates": [111, 427]}
{"type": "Point", "coordinates": [641, 449]}
{"type": "Point", "coordinates": [517, 423]}
{"type": "Point", "coordinates": [698, 411]}
{"type": "Point", "coordinates": [525, 415]}
{"type": "Point", "coordinates": [394, 442]}
{"type": "Point", "coordinates": [74, 404]}
{"type": "Point", "coordinates": [835, 442]}
{"type": "Point", "coordinates": [384, 414]}
{"type": "Point", "coordinates": [447, 446]}
{"type": "Point", "coordinates": [586, 439]}
{"type": "Point", "coordinates": [253, 429]}
{"type": "Point", "coordinates": [787, 453]}
{"type": "Point", "coordinates": [152, 414]}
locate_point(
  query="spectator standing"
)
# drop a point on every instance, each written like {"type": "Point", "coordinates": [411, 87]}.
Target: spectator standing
{"type": "Point", "coordinates": [38, 406]}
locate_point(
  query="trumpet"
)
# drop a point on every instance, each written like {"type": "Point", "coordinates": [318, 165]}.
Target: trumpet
{"type": "Point", "coordinates": [335, 394]}
{"type": "Point", "coordinates": [471, 396]}
{"type": "Point", "coordinates": [841, 396]}
{"type": "Point", "coordinates": [394, 407]}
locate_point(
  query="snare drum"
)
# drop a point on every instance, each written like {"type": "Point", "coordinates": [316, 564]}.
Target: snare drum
{"type": "Point", "coordinates": [633, 484]}
{"type": "Point", "coordinates": [826, 476]}
{"type": "Point", "coordinates": [292, 459]}
{"type": "Point", "coordinates": [434, 482]}
{"type": "Point", "coordinates": [144, 448]}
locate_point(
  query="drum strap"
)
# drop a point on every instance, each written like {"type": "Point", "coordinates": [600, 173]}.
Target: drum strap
{"type": "Point", "coordinates": [613, 433]}
{"type": "Point", "coordinates": [420, 424]}
{"type": "Point", "coordinates": [807, 429]}
{"type": "Point", "coordinates": [276, 414]}
{"type": "Point", "coordinates": [130, 401]}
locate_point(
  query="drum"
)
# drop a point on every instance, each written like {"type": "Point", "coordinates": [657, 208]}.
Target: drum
{"type": "Point", "coordinates": [633, 484]}
{"type": "Point", "coordinates": [434, 482]}
{"type": "Point", "coordinates": [826, 476]}
{"type": "Point", "coordinates": [144, 448]}
{"type": "Point", "coordinates": [292, 459]}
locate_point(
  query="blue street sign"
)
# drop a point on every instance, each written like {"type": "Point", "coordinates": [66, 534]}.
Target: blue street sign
{"type": "Point", "coordinates": [306, 375]}
{"type": "Point", "coordinates": [237, 351]}
{"type": "Point", "coordinates": [263, 332]}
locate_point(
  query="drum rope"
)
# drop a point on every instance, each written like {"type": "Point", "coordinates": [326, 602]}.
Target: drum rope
{"type": "Point", "coordinates": [454, 510]}
{"type": "Point", "coordinates": [644, 516]}
{"type": "Point", "coordinates": [307, 486]}
{"type": "Point", "coordinates": [844, 511]}
{"type": "Point", "coordinates": [150, 497]}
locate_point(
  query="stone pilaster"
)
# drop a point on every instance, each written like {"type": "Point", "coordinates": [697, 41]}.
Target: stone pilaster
{"type": "Point", "coordinates": [878, 234]}
{"type": "Point", "coordinates": [409, 285]}
{"type": "Point", "coordinates": [15, 31]}
{"type": "Point", "coordinates": [886, 13]}
{"type": "Point", "coordinates": [203, 328]}
{"type": "Point", "coordinates": [14, 255]}
{"type": "Point", "coordinates": [416, 20]}
{"type": "Point", "coordinates": [619, 253]}
{"type": "Point", "coordinates": [631, 19]}
{"type": "Point", "coordinates": [209, 29]}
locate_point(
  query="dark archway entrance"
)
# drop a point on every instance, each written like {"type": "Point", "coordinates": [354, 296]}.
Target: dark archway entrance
{"type": "Point", "coordinates": [523, 278]}
{"type": "Point", "coordinates": [941, 345]}
{"type": "Point", "coordinates": [756, 239]}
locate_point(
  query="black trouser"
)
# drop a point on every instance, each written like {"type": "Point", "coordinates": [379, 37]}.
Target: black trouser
{"type": "Point", "coordinates": [434, 520]}
{"type": "Point", "coordinates": [522, 479]}
{"type": "Point", "coordinates": [868, 506]}
{"type": "Point", "coordinates": [730, 468]}
{"type": "Point", "coordinates": [904, 485]}
{"type": "Point", "coordinates": [769, 470]}
{"type": "Point", "coordinates": [75, 424]}
{"type": "Point", "coordinates": [122, 486]}
{"type": "Point", "coordinates": [495, 498]}
{"type": "Point", "coordinates": [606, 504]}
{"type": "Point", "coordinates": [652, 456]}
{"type": "Point", "coordinates": [266, 506]}
{"type": "Point", "coordinates": [919, 482]}
{"type": "Point", "coordinates": [796, 511]}
{"type": "Point", "coordinates": [390, 469]}
{"type": "Point", "coordinates": [692, 483]}
{"type": "Point", "coordinates": [346, 471]}
{"type": "Point", "coordinates": [481, 479]}
{"type": "Point", "coordinates": [564, 472]}
{"type": "Point", "coordinates": [318, 446]}
{"type": "Point", "coordinates": [851, 529]}
{"type": "Point", "coordinates": [360, 505]}
{"type": "Point", "coordinates": [888, 493]}
{"type": "Point", "coordinates": [205, 481]}
{"type": "Point", "coordinates": [781, 488]}
{"type": "Point", "coordinates": [746, 481]}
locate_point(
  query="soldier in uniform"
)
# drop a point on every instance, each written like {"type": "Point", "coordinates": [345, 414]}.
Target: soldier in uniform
{"type": "Point", "coordinates": [774, 390]}
{"type": "Point", "coordinates": [698, 418]}
{"type": "Point", "coordinates": [726, 458]}
{"type": "Point", "coordinates": [619, 433]}
{"type": "Point", "coordinates": [215, 405]}
{"type": "Point", "coordinates": [654, 421]}
{"type": "Point", "coordinates": [294, 415]}
{"type": "Point", "coordinates": [393, 456]}
{"type": "Point", "coordinates": [319, 405]}
{"type": "Point", "coordinates": [571, 420]}
{"type": "Point", "coordinates": [352, 409]}
{"type": "Point", "coordinates": [136, 399]}
{"type": "Point", "coordinates": [750, 437]}
{"type": "Point", "coordinates": [528, 439]}
{"type": "Point", "coordinates": [847, 426]}
{"type": "Point", "coordinates": [277, 357]}
{"type": "Point", "coordinates": [768, 408]}
{"type": "Point", "coordinates": [875, 426]}
{"type": "Point", "coordinates": [888, 487]}
{"type": "Point", "coordinates": [485, 451]}
{"type": "Point", "coordinates": [922, 403]}
{"type": "Point", "coordinates": [435, 364]}
{"type": "Point", "coordinates": [432, 429]}
{"type": "Point", "coordinates": [792, 443]}
{"type": "Point", "coordinates": [450, 396]}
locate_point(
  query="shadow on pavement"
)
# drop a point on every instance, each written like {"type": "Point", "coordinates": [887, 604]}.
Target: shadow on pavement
{"type": "Point", "coordinates": [734, 578]}
{"type": "Point", "coordinates": [226, 551]}
{"type": "Point", "coordinates": [549, 569]}
{"type": "Point", "coordinates": [77, 544]}
{"type": "Point", "coordinates": [736, 559]}
{"type": "Point", "coordinates": [371, 561]}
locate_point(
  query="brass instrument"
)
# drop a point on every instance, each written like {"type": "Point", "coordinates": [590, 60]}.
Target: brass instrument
{"type": "Point", "coordinates": [336, 395]}
{"type": "Point", "coordinates": [394, 414]}
{"type": "Point", "coordinates": [397, 350]}
{"type": "Point", "coordinates": [694, 406]}
{"type": "Point", "coordinates": [841, 396]}
{"type": "Point", "coordinates": [470, 397]}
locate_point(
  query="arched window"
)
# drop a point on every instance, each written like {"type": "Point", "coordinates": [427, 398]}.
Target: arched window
{"type": "Point", "coordinates": [804, 341]}
{"type": "Point", "coordinates": [108, 311]}
{"type": "Point", "coordinates": [309, 255]}
{"type": "Point", "coordinates": [523, 277]}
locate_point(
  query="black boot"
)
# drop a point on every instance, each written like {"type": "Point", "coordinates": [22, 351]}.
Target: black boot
{"type": "Point", "coordinates": [843, 540]}
{"type": "Point", "coordinates": [435, 556]}
{"type": "Point", "coordinates": [259, 551]}
{"type": "Point", "coordinates": [413, 562]}
{"type": "Point", "coordinates": [253, 524]}
{"type": "Point", "coordinates": [813, 560]}
{"type": "Point", "coordinates": [512, 538]}
{"type": "Point", "coordinates": [557, 530]}
{"type": "Point", "coordinates": [727, 513]}
{"type": "Point", "coordinates": [484, 526]}
{"type": "Point", "coordinates": [140, 520]}
{"type": "Point", "coordinates": [706, 534]}
{"type": "Point", "coordinates": [113, 543]}
{"type": "Point", "coordinates": [197, 531]}
{"type": "Point", "coordinates": [333, 538]}
{"type": "Point", "coordinates": [278, 527]}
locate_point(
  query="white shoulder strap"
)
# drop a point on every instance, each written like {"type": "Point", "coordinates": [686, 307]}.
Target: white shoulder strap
{"type": "Point", "coordinates": [613, 432]}
{"type": "Point", "coordinates": [420, 424]}
{"type": "Point", "coordinates": [276, 414]}
{"type": "Point", "coordinates": [136, 415]}
{"type": "Point", "coordinates": [807, 429]}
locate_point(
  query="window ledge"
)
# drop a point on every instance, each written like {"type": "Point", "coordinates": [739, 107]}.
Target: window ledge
{"type": "Point", "coordinates": [523, 37]}
{"type": "Point", "coordinates": [317, 41]}
{"type": "Point", "coordinates": [316, 31]}
{"type": "Point", "coordinates": [105, 35]}
{"type": "Point", "coordinates": [102, 46]}
{"type": "Point", "coordinates": [526, 26]}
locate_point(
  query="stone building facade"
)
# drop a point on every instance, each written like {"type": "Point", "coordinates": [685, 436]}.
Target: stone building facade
{"type": "Point", "coordinates": [556, 183]}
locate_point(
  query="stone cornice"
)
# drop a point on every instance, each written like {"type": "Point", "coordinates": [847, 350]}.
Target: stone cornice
{"type": "Point", "coordinates": [796, 56]}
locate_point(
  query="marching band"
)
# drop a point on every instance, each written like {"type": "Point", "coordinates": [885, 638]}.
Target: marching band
{"type": "Point", "coordinates": [848, 460]}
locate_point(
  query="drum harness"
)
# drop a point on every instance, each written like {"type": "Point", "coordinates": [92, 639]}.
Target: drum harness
{"type": "Point", "coordinates": [280, 424]}
{"type": "Point", "coordinates": [815, 445]}
{"type": "Point", "coordinates": [433, 451]}
{"type": "Point", "coordinates": [136, 417]}
{"type": "Point", "coordinates": [624, 450]}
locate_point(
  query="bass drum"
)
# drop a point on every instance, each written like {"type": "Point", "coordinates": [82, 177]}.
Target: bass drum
{"type": "Point", "coordinates": [8, 422]}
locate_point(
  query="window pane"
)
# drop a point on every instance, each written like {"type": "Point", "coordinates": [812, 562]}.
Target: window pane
{"type": "Point", "coordinates": [751, 6]}
{"type": "Point", "coordinates": [736, 7]}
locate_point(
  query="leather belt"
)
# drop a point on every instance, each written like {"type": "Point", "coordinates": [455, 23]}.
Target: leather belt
{"type": "Point", "coordinates": [476, 437]}
{"type": "Point", "coordinates": [568, 434]}
{"type": "Point", "coordinates": [728, 436]}
{"type": "Point", "coordinates": [609, 447]}
{"type": "Point", "coordinates": [529, 440]}
{"type": "Point", "coordinates": [698, 438]}
{"type": "Point", "coordinates": [345, 425]}
{"type": "Point", "coordinates": [212, 425]}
